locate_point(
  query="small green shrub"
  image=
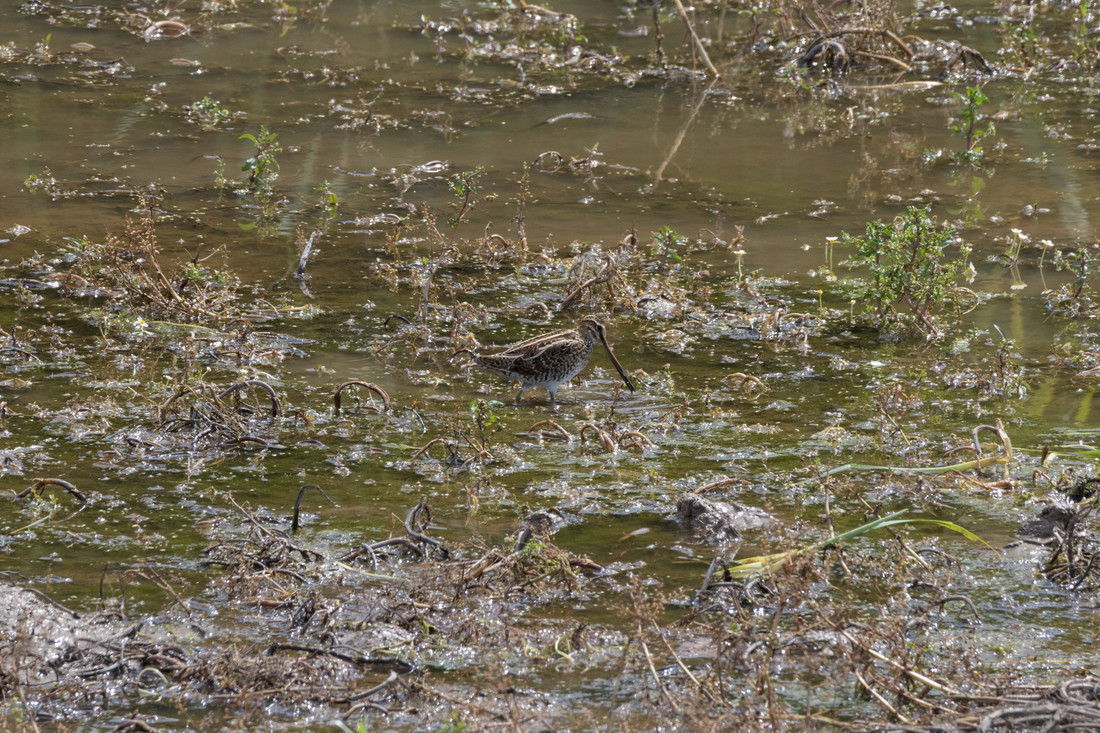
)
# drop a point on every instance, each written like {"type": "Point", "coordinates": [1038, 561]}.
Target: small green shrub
{"type": "Point", "coordinates": [913, 263]}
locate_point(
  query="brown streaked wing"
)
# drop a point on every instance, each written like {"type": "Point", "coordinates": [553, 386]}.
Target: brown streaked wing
{"type": "Point", "coordinates": [535, 345]}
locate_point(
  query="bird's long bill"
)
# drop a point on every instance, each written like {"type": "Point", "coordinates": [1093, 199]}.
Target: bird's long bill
{"type": "Point", "coordinates": [618, 366]}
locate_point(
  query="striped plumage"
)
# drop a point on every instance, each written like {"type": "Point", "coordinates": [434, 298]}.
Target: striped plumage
{"type": "Point", "coordinates": [549, 360]}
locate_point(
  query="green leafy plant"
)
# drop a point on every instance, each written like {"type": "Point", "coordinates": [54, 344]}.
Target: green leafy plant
{"type": "Point", "coordinates": [749, 566]}
{"type": "Point", "coordinates": [1006, 371]}
{"type": "Point", "coordinates": [667, 245]}
{"type": "Point", "coordinates": [1074, 299]}
{"type": "Point", "coordinates": [913, 269]}
{"type": "Point", "coordinates": [41, 183]}
{"type": "Point", "coordinates": [1081, 263]}
{"type": "Point", "coordinates": [464, 186]}
{"type": "Point", "coordinates": [1085, 46]}
{"type": "Point", "coordinates": [329, 200]}
{"type": "Point", "coordinates": [1023, 43]}
{"type": "Point", "coordinates": [195, 272]}
{"type": "Point", "coordinates": [220, 179]}
{"type": "Point", "coordinates": [966, 122]}
{"type": "Point", "coordinates": [42, 48]}
{"type": "Point", "coordinates": [485, 417]}
{"type": "Point", "coordinates": [207, 113]}
{"type": "Point", "coordinates": [262, 167]}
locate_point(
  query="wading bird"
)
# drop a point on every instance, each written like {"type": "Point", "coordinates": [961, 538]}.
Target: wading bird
{"type": "Point", "coordinates": [549, 360]}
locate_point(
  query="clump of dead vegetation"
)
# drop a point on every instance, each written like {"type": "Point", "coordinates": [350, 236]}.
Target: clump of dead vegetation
{"type": "Point", "coordinates": [132, 267]}
{"type": "Point", "coordinates": [358, 652]}
{"type": "Point", "coordinates": [199, 421]}
{"type": "Point", "coordinates": [380, 634]}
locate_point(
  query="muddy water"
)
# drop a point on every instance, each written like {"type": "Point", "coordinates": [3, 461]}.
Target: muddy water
{"type": "Point", "coordinates": [387, 112]}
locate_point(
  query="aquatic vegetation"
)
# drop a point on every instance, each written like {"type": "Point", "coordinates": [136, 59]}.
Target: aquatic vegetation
{"type": "Point", "coordinates": [746, 568]}
{"type": "Point", "coordinates": [44, 183]}
{"type": "Point", "coordinates": [914, 263]}
{"type": "Point", "coordinates": [966, 123]}
{"type": "Point", "coordinates": [263, 166]}
{"type": "Point", "coordinates": [131, 264]}
{"type": "Point", "coordinates": [1074, 299]}
{"type": "Point", "coordinates": [207, 113]}
{"type": "Point", "coordinates": [448, 176]}
{"type": "Point", "coordinates": [464, 187]}
{"type": "Point", "coordinates": [667, 245]}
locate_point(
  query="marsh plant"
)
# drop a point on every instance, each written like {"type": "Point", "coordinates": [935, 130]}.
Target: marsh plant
{"type": "Point", "coordinates": [1006, 370]}
{"type": "Point", "coordinates": [914, 263]}
{"type": "Point", "coordinates": [132, 264]}
{"type": "Point", "coordinates": [1073, 299]}
{"type": "Point", "coordinates": [667, 245]}
{"type": "Point", "coordinates": [1022, 44]}
{"type": "Point", "coordinates": [262, 166]}
{"type": "Point", "coordinates": [967, 122]}
{"type": "Point", "coordinates": [45, 183]}
{"type": "Point", "coordinates": [465, 188]}
{"type": "Point", "coordinates": [330, 202]}
{"type": "Point", "coordinates": [207, 113]}
{"type": "Point", "coordinates": [485, 418]}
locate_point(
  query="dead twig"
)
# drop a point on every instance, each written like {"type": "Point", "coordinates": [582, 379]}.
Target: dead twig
{"type": "Point", "coordinates": [603, 276]}
{"type": "Point", "coordinates": [416, 524]}
{"type": "Point", "coordinates": [236, 389]}
{"type": "Point", "coordinates": [351, 656]}
{"type": "Point", "coordinates": [43, 482]}
{"type": "Point", "coordinates": [702, 51]}
{"type": "Point", "coordinates": [604, 439]}
{"type": "Point", "coordinates": [559, 431]}
{"type": "Point", "coordinates": [298, 503]}
{"type": "Point", "coordinates": [1006, 443]}
{"type": "Point", "coordinates": [367, 386]}
{"type": "Point", "coordinates": [747, 383]}
{"type": "Point", "coordinates": [721, 483]}
{"type": "Point", "coordinates": [634, 440]}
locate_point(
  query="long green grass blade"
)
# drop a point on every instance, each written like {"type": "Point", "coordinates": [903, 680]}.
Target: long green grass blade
{"type": "Point", "coordinates": [750, 566]}
{"type": "Point", "coordinates": [946, 525]}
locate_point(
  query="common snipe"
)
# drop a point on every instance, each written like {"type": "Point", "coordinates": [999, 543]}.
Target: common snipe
{"type": "Point", "coordinates": [549, 360]}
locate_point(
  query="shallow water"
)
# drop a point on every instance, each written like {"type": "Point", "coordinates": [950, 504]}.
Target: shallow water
{"type": "Point", "coordinates": [387, 114]}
